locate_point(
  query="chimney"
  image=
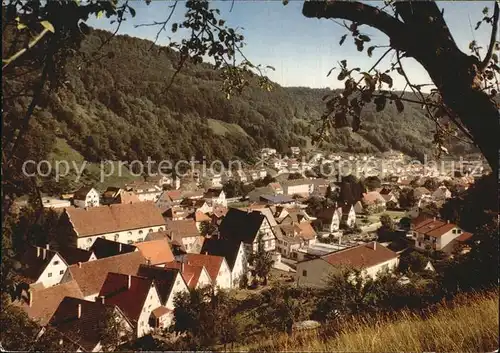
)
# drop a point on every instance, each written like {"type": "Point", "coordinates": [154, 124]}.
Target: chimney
{"type": "Point", "coordinates": [374, 245]}
{"type": "Point", "coordinates": [448, 221]}
{"type": "Point", "coordinates": [148, 261]}
{"type": "Point", "coordinates": [37, 251]}
{"type": "Point", "coordinates": [182, 267]}
{"type": "Point", "coordinates": [44, 253]}
{"type": "Point", "coordinates": [340, 239]}
{"type": "Point", "coordinates": [434, 219]}
{"type": "Point", "coordinates": [129, 284]}
{"type": "Point", "coordinates": [101, 299]}
{"type": "Point", "coordinates": [79, 265]}
{"type": "Point", "coordinates": [119, 247]}
{"type": "Point", "coordinates": [47, 246]}
{"type": "Point", "coordinates": [206, 252]}
{"type": "Point", "coordinates": [79, 313]}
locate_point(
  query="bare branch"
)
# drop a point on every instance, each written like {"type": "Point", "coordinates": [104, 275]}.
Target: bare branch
{"type": "Point", "coordinates": [493, 38]}
{"type": "Point", "coordinates": [163, 24]}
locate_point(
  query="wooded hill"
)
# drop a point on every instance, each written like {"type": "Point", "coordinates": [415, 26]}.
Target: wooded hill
{"type": "Point", "coordinates": [118, 107]}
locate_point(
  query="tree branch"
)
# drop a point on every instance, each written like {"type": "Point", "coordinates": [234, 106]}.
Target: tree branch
{"type": "Point", "coordinates": [493, 38]}
{"type": "Point", "coordinates": [361, 13]}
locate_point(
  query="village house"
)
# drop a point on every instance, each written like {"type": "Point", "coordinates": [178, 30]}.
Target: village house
{"type": "Point", "coordinates": [169, 282]}
{"type": "Point", "coordinates": [137, 297]}
{"type": "Point", "coordinates": [294, 236]}
{"type": "Point", "coordinates": [41, 303]}
{"type": "Point", "coordinates": [277, 200]}
{"type": "Point", "coordinates": [105, 248]}
{"type": "Point", "coordinates": [81, 321]}
{"type": "Point", "coordinates": [245, 227]}
{"type": "Point", "coordinates": [303, 187]}
{"type": "Point", "coordinates": [40, 267]}
{"type": "Point", "coordinates": [434, 234]}
{"type": "Point", "coordinates": [216, 197]}
{"type": "Point", "coordinates": [145, 191]}
{"type": "Point", "coordinates": [372, 200]}
{"type": "Point", "coordinates": [390, 198]}
{"type": "Point", "coordinates": [199, 218]}
{"type": "Point", "coordinates": [91, 275]}
{"type": "Point", "coordinates": [176, 213]}
{"type": "Point", "coordinates": [216, 266]}
{"type": "Point", "coordinates": [370, 257]}
{"type": "Point", "coordinates": [421, 192]}
{"type": "Point", "coordinates": [195, 276]}
{"type": "Point", "coordinates": [241, 176]}
{"type": "Point", "coordinates": [334, 217]}
{"type": "Point", "coordinates": [233, 252]}
{"type": "Point", "coordinates": [185, 233]}
{"type": "Point", "coordinates": [114, 195]}
{"type": "Point", "coordinates": [86, 196]}
{"type": "Point", "coordinates": [125, 223]}
{"type": "Point", "coordinates": [276, 188]}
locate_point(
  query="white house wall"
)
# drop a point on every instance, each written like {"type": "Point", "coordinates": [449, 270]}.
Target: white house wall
{"type": "Point", "coordinates": [152, 302]}
{"type": "Point", "coordinates": [54, 272]}
{"type": "Point", "coordinates": [125, 237]}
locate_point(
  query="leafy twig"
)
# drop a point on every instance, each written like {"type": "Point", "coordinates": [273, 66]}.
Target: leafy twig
{"type": "Point", "coordinates": [494, 31]}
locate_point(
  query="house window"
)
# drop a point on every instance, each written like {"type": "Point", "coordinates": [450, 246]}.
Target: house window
{"type": "Point", "coordinates": [49, 274]}
{"type": "Point", "coordinates": [304, 273]}
{"type": "Point", "coordinates": [454, 231]}
{"type": "Point", "coordinates": [160, 229]}
{"type": "Point", "coordinates": [129, 233]}
{"type": "Point", "coordinates": [150, 230]}
{"type": "Point", "coordinates": [130, 242]}
{"type": "Point", "coordinates": [61, 272]}
{"type": "Point", "coordinates": [140, 232]}
{"type": "Point", "coordinates": [56, 262]}
{"type": "Point", "coordinates": [117, 236]}
{"type": "Point", "coordinates": [140, 239]}
{"type": "Point", "coordinates": [89, 240]}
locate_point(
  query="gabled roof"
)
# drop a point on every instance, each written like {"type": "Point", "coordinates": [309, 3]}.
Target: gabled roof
{"type": "Point", "coordinates": [372, 197]}
{"type": "Point", "coordinates": [46, 300]}
{"type": "Point", "coordinates": [182, 228]}
{"type": "Point", "coordinates": [156, 251]}
{"type": "Point", "coordinates": [127, 197]}
{"type": "Point", "coordinates": [465, 236]}
{"type": "Point", "coordinates": [105, 248]}
{"type": "Point", "coordinates": [277, 199]}
{"type": "Point", "coordinates": [225, 248]}
{"type": "Point", "coordinates": [190, 273]}
{"type": "Point", "coordinates": [34, 261]}
{"type": "Point", "coordinates": [86, 329]}
{"type": "Point", "coordinates": [81, 194]}
{"type": "Point", "coordinates": [240, 225]}
{"type": "Point", "coordinates": [157, 236]}
{"type": "Point", "coordinates": [114, 218]}
{"type": "Point", "coordinates": [164, 279]}
{"type": "Point", "coordinates": [201, 217]}
{"type": "Point", "coordinates": [131, 299]}
{"type": "Point", "coordinates": [91, 275]}
{"type": "Point", "coordinates": [434, 227]}
{"type": "Point", "coordinates": [328, 213]}
{"type": "Point", "coordinates": [174, 195]}
{"type": "Point", "coordinates": [361, 256]}
{"type": "Point", "coordinates": [211, 262]}
{"type": "Point", "coordinates": [74, 255]}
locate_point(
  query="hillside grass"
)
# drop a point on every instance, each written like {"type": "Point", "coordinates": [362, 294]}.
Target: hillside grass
{"type": "Point", "coordinates": [468, 324]}
{"type": "Point", "coordinates": [222, 128]}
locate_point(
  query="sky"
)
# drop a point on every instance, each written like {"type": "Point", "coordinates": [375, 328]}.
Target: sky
{"type": "Point", "coordinates": [302, 50]}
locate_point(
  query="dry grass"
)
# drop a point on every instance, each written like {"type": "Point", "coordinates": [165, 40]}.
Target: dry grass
{"type": "Point", "coordinates": [468, 324]}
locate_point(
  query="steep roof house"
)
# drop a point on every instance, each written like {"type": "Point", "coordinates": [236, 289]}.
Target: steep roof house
{"type": "Point", "coordinates": [82, 321]}
{"type": "Point", "coordinates": [233, 252]}
{"type": "Point", "coordinates": [86, 196]}
{"type": "Point", "coordinates": [436, 234]}
{"type": "Point", "coordinates": [195, 276]}
{"type": "Point", "coordinates": [40, 266]}
{"type": "Point", "coordinates": [216, 266]}
{"type": "Point", "coordinates": [126, 223]}
{"type": "Point", "coordinates": [371, 258]}
{"type": "Point", "coordinates": [245, 227]}
{"type": "Point", "coordinates": [185, 233]}
{"type": "Point", "coordinates": [156, 251]}
{"type": "Point", "coordinates": [136, 296]}
{"type": "Point", "coordinates": [74, 255]}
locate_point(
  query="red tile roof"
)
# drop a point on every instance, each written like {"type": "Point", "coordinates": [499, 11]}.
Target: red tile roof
{"type": "Point", "coordinates": [156, 251]}
{"type": "Point", "coordinates": [190, 273]}
{"type": "Point", "coordinates": [434, 228]}
{"type": "Point", "coordinates": [129, 299]}
{"type": "Point", "coordinates": [464, 237]}
{"type": "Point", "coordinates": [91, 275]}
{"type": "Point", "coordinates": [182, 228]}
{"type": "Point", "coordinates": [114, 218]}
{"type": "Point", "coordinates": [46, 300]}
{"type": "Point", "coordinates": [211, 262]}
{"type": "Point", "coordinates": [361, 256]}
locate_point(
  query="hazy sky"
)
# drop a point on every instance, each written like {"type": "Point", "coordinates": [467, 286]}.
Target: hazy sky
{"type": "Point", "coordinates": [301, 49]}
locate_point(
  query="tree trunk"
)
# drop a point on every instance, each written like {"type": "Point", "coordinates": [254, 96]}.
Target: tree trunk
{"type": "Point", "coordinates": [425, 37]}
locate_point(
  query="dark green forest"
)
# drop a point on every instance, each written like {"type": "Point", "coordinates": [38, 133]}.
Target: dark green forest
{"type": "Point", "coordinates": [118, 107]}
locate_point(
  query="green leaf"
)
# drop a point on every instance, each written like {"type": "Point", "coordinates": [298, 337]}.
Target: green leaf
{"type": "Point", "coordinates": [285, 2]}
{"type": "Point", "coordinates": [485, 11]}
{"type": "Point", "coordinates": [21, 26]}
{"type": "Point", "coordinates": [364, 38]}
{"type": "Point", "coordinates": [221, 22]}
{"type": "Point", "coordinates": [380, 103]}
{"type": "Point", "coordinates": [174, 27]}
{"type": "Point", "coordinates": [47, 25]}
{"type": "Point", "coordinates": [370, 51]}
{"type": "Point", "coordinates": [343, 63]}
{"type": "Point", "coordinates": [99, 14]}
{"type": "Point", "coordinates": [132, 11]}
{"type": "Point", "coordinates": [387, 79]}
{"type": "Point", "coordinates": [342, 75]}
{"type": "Point", "coordinates": [400, 71]}
{"type": "Point", "coordinates": [342, 39]}
{"type": "Point", "coordinates": [494, 57]}
{"type": "Point", "coordinates": [271, 67]}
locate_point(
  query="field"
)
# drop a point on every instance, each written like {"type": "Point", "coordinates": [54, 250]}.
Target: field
{"type": "Point", "coordinates": [468, 324]}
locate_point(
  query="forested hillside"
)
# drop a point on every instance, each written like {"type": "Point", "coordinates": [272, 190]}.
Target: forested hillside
{"type": "Point", "coordinates": [118, 107]}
